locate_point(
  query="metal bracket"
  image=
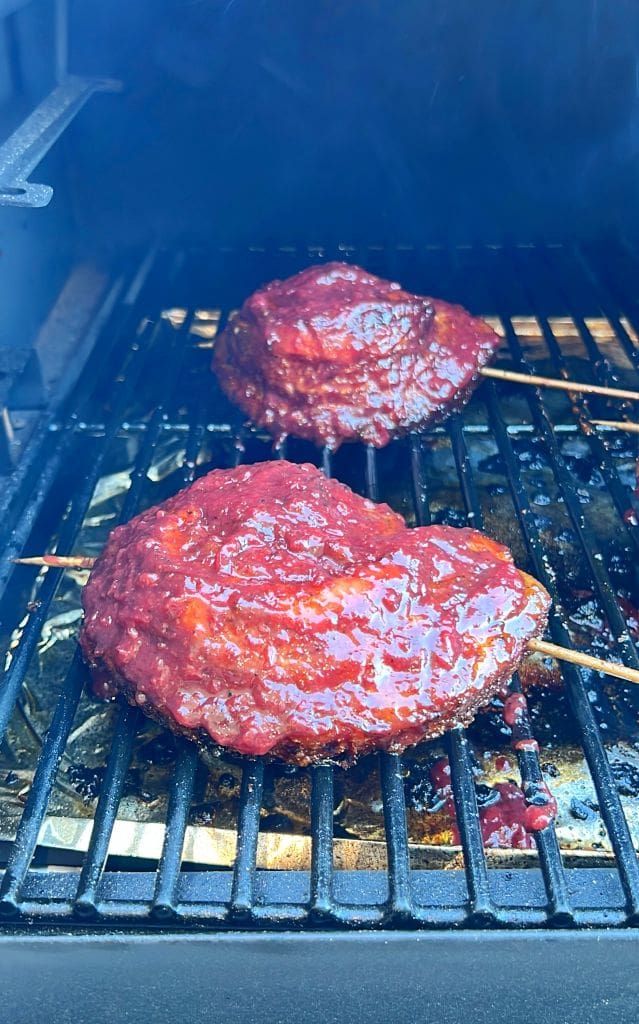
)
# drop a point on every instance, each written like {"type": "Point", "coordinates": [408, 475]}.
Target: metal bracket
{"type": "Point", "coordinates": [34, 138]}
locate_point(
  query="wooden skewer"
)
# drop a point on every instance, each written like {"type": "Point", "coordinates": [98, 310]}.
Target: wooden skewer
{"type": "Point", "coordinates": [611, 668]}
{"type": "Point", "coordinates": [627, 425]}
{"type": "Point", "coordinates": [58, 561]}
{"type": "Point", "coordinates": [558, 383]}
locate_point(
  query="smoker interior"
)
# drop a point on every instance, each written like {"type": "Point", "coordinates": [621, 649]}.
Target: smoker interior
{"type": "Point", "coordinates": [486, 158]}
{"type": "Point", "coordinates": [146, 385]}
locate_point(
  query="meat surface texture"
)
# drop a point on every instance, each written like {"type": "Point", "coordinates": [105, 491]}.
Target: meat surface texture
{"type": "Point", "coordinates": [273, 611]}
{"type": "Point", "coordinates": [336, 354]}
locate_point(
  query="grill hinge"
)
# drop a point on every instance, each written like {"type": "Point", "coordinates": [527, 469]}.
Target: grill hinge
{"type": "Point", "coordinates": [30, 143]}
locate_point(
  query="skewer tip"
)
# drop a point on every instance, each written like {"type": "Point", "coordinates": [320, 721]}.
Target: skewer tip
{"type": "Point", "coordinates": [58, 561]}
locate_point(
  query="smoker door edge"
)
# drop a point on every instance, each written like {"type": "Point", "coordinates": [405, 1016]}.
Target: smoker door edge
{"type": "Point", "coordinates": [541, 976]}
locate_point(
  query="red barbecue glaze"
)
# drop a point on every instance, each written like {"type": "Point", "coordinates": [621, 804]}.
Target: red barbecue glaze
{"type": "Point", "coordinates": [278, 612]}
{"type": "Point", "coordinates": [335, 353]}
{"type": "Point", "coordinates": [537, 818]}
{"type": "Point", "coordinates": [514, 708]}
{"type": "Point", "coordinates": [440, 775]}
{"type": "Point", "coordinates": [507, 823]}
{"type": "Point", "coordinates": [502, 764]}
{"type": "Point", "coordinates": [631, 615]}
{"type": "Point", "coordinates": [503, 824]}
{"type": "Point", "coordinates": [528, 743]}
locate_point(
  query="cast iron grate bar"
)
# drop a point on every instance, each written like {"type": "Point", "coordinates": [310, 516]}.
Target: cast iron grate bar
{"type": "Point", "coordinates": [180, 797]}
{"type": "Point", "coordinates": [391, 774]}
{"type": "Point", "coordinates": [248, 829]}
{"type": "Point", "coordinates": [248, 818]}
{"type": "Point", "coordinates": [37, 801]}
{"type": "Point", "coordinates": [467, 815]}
{"type": "Point", "coordinates": [321, 904]}
{"type": "Point", "coordinates": [128, 717]}
{"type": "Point", "coordinates": [106, 811]}
{"type": "Point", "coordinates": [528, 760]}
{"type": "Point", "coordinates": [322, 801]}
{"type": "Point", "coordinates": [459, 753]}
{"type": "Point", "coordinates": [529, 284]}
{"type": "Point", "coordinates": [81, 499]}
{"type": "Point", "coordinates": [399, 891]}
{"type": "Point", "coordinates": [174, 895]}
{"type": "Point", "coordinates": [183, 781]}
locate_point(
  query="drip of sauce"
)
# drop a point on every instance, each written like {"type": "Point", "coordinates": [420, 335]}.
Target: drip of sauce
{"type": "Point", "coordinates": [538, 815]}
{"type": "Point", "coordinates": [510, 817]}
{"type": "Point", "coordinates": [502, 764]}
{"type": "Point", "coordinates": [515, 710]}
{"type": "Point", "coordinates": [102, 685]}
{"type": "Point", "coordinates": [631, 615]}
{"type": "Point", "coordinates": [540, 805]}
{"type": "Point", "coordinates": [526, 744]}
{"type": "Point", "coordinates": [506, 822]}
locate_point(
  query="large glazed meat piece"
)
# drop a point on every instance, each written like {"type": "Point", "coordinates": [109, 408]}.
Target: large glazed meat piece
{"type": "Point", "coordinates": [275, 612]}
{"type": "Point", "coordinates": [336, 354]}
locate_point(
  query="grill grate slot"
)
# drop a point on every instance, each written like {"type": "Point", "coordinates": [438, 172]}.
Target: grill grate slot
{"type": "Point", "coordinates": [106, 811]}
{"type": "Point", "coordinates": [541, 281]}
{"type": "Point", "coordinates": [611, 808]}
{"type": "Point", "coordinates": [40, 792]}
{"type": "Point", "coordinates": [124, 388]}
{"type": "Point", "coordinates": [128, 718]}
{"type": "Point", "coordinates": [529, 766]}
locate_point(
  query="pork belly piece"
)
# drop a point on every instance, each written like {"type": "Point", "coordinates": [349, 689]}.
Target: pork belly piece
{"type": "Point", "coordinates": [336, 354]}
{"type": "Point", "coordinates": [271, 610]}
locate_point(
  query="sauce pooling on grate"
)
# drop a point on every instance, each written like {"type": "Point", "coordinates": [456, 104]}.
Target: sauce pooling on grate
{"type": "Point", "coordinates": [507, 818]}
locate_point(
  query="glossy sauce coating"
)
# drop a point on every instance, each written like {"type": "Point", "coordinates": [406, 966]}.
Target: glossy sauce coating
{"type": "Point", "coordinates": [335, 353]}
{"type": "Point", "coordinates": [276, 612]}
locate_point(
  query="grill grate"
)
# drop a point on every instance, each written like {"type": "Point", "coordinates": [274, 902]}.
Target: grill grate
{"type": "Point", "coordinates": [161, 360]}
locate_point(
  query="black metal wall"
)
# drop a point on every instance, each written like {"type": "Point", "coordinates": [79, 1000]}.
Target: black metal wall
{"type": "Point", "coordinates": [248, 120]}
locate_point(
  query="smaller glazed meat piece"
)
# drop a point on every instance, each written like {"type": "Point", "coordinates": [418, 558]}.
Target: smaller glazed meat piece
{"type": "Point", "coordinates": [273, 611]}
{"type": "Point", "coordinates": [336, 354]}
